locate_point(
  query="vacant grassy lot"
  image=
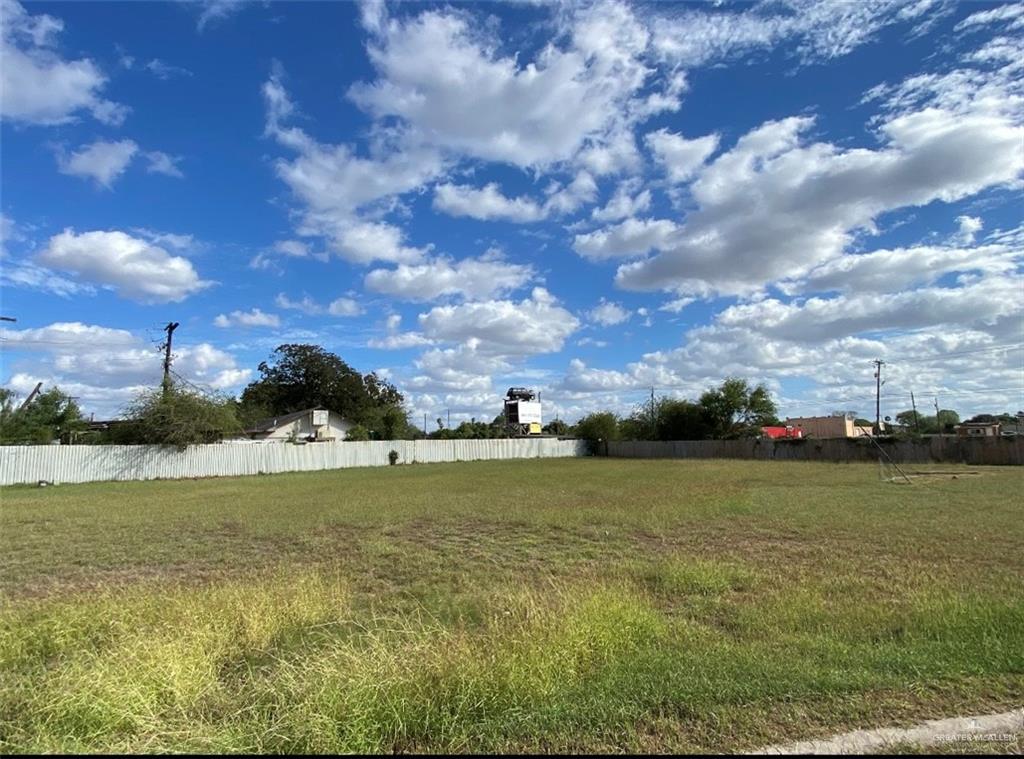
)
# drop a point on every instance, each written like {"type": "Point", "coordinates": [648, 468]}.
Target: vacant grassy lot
{"type": "Point", "coordinates": [545, 605]}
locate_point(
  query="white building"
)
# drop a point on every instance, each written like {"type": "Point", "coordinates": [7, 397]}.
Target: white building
{"type": "Point", "coordinates": [314, 424]}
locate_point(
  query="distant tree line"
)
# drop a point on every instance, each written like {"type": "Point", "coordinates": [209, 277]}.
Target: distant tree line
{"type": "Point", "coordinates": [735, 409]}
{"type": "Point", "coordinates": [911, 423]}
{"type": "Point", "coordinates": [298, 377]}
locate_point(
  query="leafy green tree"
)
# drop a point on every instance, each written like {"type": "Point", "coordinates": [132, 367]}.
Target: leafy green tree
{"type": "Point", "coordinates": [381, 392]}
{"type": "Point", "coordinates": [556, 427]}
{"type": "Point", "coordinates": [357, 433]}
{"type": "Point", "coordinates": [474, 429]}
{"type": "Point", "coordinates": [947, 419]}
{"type": "Point", "coordinates": [178, 417]}
{"type": "Point", "coordinates": [680, 420]}
{"type": "Point", "coordinates": [915, 423]}
{"type": "Point", "coordinates": [910, 420]}
{"type": "Point", "coordinates": [847, 413]}
{"type": "Point", "coordinates": [394, 424]}
{"type": "Point", "coordinates": [636, 426]}
{"type": "Point", "coordinates": [471, 430]}
{"type": "Point", "coordinates": [735, 409]}
{"type": "Point", "coordinates": [299, 377]}
{"type": "Point", "coordinates": [672, 419]}
{"type": "Point", "coordinates": [911, 424]}
{"type": "Point", "coordinates": [51, 415]}
{"type": "Point", "coordinates": [387, 423]}
{"type": "Point", "coordinates": [601, 425]}
{"type": "Point", "coordinates": [498, 427]}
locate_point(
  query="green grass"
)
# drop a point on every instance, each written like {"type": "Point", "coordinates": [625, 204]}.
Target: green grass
{"type": "Point", "coordinates": [549, 605]}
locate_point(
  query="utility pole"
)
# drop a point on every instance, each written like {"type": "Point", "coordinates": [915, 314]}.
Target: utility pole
{"type": "Point", "coordinates": [449, 418]}
{"type": "Point", "coordinates": [937, 422]}
{"type": "Point", "coordinates": [913, 405]}
{"type": "Point", "coordinates": [654, 426]}
{"type": "Point", "coordinates": [424, 424]}
{"type": "Point", "coordinates": [878, 395]}
{"type": "Point", "coordinates": [169, 329]}
{"type": "Point", "coordinates": [31, 395]}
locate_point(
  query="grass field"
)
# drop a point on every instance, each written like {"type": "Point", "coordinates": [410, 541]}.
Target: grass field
{"type": "Point", "coordinates": [548, 605]}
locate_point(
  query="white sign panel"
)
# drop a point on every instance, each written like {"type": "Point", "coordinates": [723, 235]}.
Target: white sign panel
{"type": "Point", "coordinates": [529, 412]}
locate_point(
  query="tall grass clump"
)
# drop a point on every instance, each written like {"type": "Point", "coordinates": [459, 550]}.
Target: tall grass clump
{"type": "Point", "coordinates": [290, 665]}
{"type": "Point", "coordinates": [134, 665]}
{"type": "Point", "coordinates": [537, 667]}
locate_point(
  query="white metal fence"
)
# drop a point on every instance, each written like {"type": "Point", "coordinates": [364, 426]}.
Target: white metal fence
{"type": "Point", "coordinates": [96, 463]}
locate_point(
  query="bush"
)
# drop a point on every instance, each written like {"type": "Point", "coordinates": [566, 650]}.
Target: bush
{"type": "Point", "coordinates": [357, 434]}
{"type": "Point", "coordinates": [393, 457]}
{"type": "Point", "coordinates": [598, 427]}
{"type": "Point", "coordinates": [601, 425]}
{"type": "Point", "coordinates": [177, 416]}
{"type": "Point", "coordinates": [51, 415]}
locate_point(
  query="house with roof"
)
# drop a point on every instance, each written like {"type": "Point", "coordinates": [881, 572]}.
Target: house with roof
{"type": "Point", "coordinates": [978, 429]}
{"type": "Point", "coordinates": [310, 425]}
{"type": "Point", "coordinates": [827, 427]}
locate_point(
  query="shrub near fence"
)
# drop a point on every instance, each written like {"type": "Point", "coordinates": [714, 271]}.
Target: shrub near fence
{"type": "Point", "coordinates": [96, 463]}
{"type": "Point", "coordinates": [950, 450]}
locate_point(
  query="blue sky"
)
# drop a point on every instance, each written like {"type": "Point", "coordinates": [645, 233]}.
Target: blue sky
{"type": "Point", "coordinates": [588, 199]}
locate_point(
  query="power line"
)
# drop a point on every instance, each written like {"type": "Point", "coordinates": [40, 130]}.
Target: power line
{"type": "Point", "coordinates": [980, 391]}
{"type": "Point", "coordinates": [207, 391]}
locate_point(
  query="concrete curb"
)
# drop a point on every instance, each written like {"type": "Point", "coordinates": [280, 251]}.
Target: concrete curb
{"type": "Point", "coordinates": [991, 727]}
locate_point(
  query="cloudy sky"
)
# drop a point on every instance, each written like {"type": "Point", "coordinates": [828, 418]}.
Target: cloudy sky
{"type": "Point", "coordinates": [587, 199]}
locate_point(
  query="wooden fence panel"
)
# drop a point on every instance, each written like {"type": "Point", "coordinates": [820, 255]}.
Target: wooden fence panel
{"type": "Point", "coordinates": [955, 450]}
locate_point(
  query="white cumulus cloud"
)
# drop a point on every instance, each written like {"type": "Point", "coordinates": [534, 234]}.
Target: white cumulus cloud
{"type": "Point", "coordinates": [608, 314]}
{"type": "Point", "coordinates": [344, 307]}
{"type": "Point", "coordinates": [486, 203]}
{"type": "Point", "coordinates": [471, 278]}
{"type": "Point", "coordinates": [101, 161]}
{"type": "Point", "coordinates": [474, 101]}
{"type": "Point", "coordinates": [632, 237]}
{"type": "Point", "coordinates": [132, 267]}
{"type": "Point", "coordinates": [682, 158]}
{"type": "Point", "coordinates": [38, 85]}
{"type": "Point", "coordinates": [774, 206]}
{"type": "Point", "coordinates": [252, 318]}
{"type": "Point", "coordinates": [503, 327]}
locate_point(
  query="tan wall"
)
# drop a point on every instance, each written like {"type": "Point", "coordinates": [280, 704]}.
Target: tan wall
{"type": "Point", "coordinates": [827, 426]}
